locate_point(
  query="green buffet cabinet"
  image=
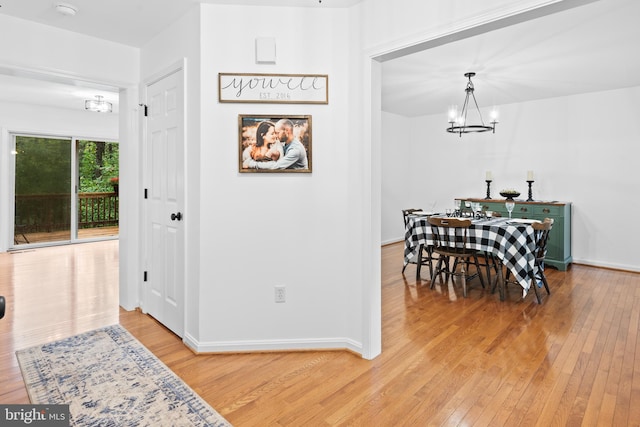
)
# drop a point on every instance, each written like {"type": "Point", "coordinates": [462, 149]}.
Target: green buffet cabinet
{"type": "Point", "coordinates": [559, 243]}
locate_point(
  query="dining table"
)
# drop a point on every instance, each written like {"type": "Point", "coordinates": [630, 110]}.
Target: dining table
{"type": "Point", "coordinates": [512, 241]}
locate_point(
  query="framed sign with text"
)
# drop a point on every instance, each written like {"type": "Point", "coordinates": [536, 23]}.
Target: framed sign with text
{"type": "Point", "coordinates": [274, 88]}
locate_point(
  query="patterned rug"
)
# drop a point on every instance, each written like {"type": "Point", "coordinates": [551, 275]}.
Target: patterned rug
{"type": "Point", "coordinates": [108, 378]}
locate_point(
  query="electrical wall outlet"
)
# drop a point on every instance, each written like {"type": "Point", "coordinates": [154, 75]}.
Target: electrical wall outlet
{"type": "Point", "coordinates": [280, 294]}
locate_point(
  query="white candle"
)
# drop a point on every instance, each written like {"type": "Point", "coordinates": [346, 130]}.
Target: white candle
{"type": "Point", "coordinates": [529, 175]}
{"type": "Point", "coordinates": [488, 176]}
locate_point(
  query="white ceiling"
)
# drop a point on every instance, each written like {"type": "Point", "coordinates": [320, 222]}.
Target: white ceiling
{"type": "Point", "coordinates": [584, 49]}
{"type": "Point", "coordinates": [589, 48]}
{"type": "Point", "coordinates": [130, 22]}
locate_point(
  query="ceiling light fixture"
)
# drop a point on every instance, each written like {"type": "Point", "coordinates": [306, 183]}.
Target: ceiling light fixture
{"type": "Point", "coordinates": [66, 9]}
{"type": "Point", "coordinates": [458, 121]}
{"type": "Point", "coordinates": [98, 105]}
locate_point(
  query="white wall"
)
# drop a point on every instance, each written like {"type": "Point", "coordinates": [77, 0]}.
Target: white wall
{"type": "Point", "coordinates": [262, 230]}
{"type": "Point", "coordinates": [401, 189]}
{"type": "Point", "coordinates": [57, 121]}
{"type": "Point", "coordinates": [572, 144]}
{"type": "Point", "coordinates": [129, 226]}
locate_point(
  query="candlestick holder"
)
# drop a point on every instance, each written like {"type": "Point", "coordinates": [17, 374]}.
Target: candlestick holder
{"type": "Point", "coordinates": [530, 199]}
{"type": "Point", "coordinates": [488, 181]}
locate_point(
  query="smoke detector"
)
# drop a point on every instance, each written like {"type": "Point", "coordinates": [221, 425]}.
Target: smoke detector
{"type": "Point", "coordinates": [66, 9]}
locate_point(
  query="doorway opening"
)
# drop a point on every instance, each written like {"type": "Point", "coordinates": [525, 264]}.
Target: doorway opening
{"type": "Point", "coordinates": [65, 190]}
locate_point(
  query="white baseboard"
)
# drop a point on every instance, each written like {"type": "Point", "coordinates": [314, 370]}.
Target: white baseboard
{"type": "Point", "coordinates": [388, 242]}
{"type": "Point", "coordinates": [614, 266]}
{"type": "Point", "coordinates": [256, 346]}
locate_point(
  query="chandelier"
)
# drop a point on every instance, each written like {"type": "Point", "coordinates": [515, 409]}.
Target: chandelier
{"type": "Point", "coordinates": [98, 105]}
{"type": "Point", "coordinates": [458, 120]}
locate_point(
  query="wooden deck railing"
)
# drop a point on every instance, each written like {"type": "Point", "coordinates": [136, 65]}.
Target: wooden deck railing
{"type": "Point", "coordinates": [97, 209]}
{"type": "Point", "coordinates": [52, 212]}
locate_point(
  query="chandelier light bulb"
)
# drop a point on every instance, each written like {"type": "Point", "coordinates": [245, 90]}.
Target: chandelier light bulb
{"type": "Point", "coordinates": [495, 115]}
{"type": "Point", "coordinates": [453, 113]}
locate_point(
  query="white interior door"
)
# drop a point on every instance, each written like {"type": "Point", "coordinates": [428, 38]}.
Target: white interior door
{"type": "Point", "coordinates": [164, 218]}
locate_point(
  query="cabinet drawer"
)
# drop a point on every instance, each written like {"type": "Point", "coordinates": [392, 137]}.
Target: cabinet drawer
{"type": "Point", "coordinates": [537, 211]}
{"type": "Point", "coordinates": [496, 207]}
{"type": "Point", "coordinates": [546, 210]}
{"type": "Point", "coordinates": [526, 210]}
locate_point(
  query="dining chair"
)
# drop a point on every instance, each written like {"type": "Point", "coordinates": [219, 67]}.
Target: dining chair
{"type": "Point", "coordinates": [490, 260]}
{"type": "Point", "coordinates": [541, 236]}
{"type": "Point", "coordinates": [490, 263]}
{"type": "Point", "coordinates": [19, 229]}
{"type": "Point", "coordinates": [450, 237]}
{"type": "Point", "coordinates": [425, 253]}
{"type": "Point", "coordinates": [542, 230]}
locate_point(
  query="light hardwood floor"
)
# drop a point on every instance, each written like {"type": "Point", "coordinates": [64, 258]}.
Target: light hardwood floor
{"type": "Point", "coordinates": [446, 360]}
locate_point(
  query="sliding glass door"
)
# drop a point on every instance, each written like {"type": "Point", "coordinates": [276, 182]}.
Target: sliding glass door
{"type": "Point", "coordinates": [65, 190]}
{"type": "Point", "coordinates": [42, 190]}
{"type": "Point", "coordinates": [98, 189]}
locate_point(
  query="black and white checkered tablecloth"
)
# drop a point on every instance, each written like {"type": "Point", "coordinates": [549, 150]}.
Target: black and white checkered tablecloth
{"type": "Point", "coordinates": [512, 243]}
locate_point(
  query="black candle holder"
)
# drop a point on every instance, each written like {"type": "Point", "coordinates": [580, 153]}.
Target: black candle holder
{"type": "Point", "coordinates": [530, 199]}
{"type": "Point", "coordinates": [488, 181]}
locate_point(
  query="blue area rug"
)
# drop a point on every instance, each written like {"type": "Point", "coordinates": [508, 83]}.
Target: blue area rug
{"type": "Point", "coordinates": [108, 378]}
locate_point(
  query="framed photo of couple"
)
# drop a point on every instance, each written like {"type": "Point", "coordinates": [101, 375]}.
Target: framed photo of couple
{"type": "Point", "coordinates": [274, 144]}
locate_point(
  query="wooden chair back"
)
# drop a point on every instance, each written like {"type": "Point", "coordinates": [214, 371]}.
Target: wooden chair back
{"type": "Point", "coordinates": [406, 213]}
{"type": "Point", "coordinates": [449, 234]}
{"type": "Point", "coordinates": [542, 230]}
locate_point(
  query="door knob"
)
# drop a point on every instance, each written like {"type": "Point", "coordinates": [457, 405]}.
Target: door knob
{"type": "Point", "coordinates": [176, 216]}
